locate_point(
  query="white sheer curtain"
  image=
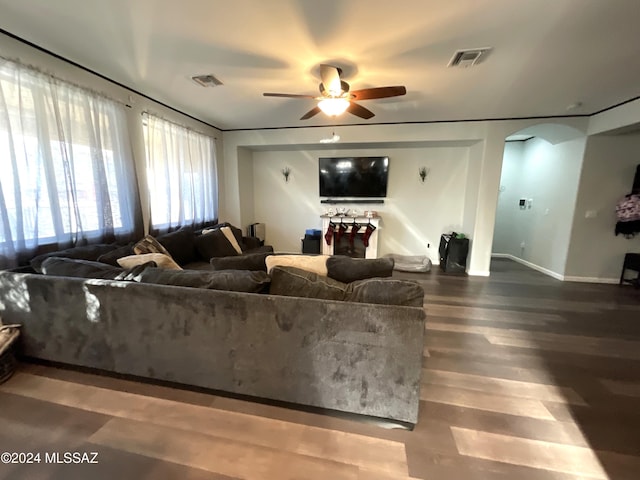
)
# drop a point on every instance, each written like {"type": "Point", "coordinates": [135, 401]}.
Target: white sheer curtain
{"type": "Point", "coordinates": [181, 175]}
{"type": "Point", "coordinates": [66, 168]}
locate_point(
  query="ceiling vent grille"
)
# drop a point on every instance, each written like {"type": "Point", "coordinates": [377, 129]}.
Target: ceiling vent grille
{"type": "Point", "coordinates": [206, 80]}
{"type": "Point", "coordinates": [468, 57]}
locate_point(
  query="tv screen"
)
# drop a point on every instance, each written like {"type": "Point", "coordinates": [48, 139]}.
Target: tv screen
{"type": "Point", "coordinates": [353, 176]}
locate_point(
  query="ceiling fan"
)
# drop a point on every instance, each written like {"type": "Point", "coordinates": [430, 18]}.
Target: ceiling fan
{"type": "Point", "coordinates": [335, 97]}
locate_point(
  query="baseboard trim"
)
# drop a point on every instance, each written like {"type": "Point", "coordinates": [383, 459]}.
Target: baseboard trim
{"type": "Point", "coordinates": [526, 263]}
{"type": "Point", "coordinates": [557, 276]}
{"type": "Point", "coordinates": [478, 273]}
{"type": "Point", "coordinates": [611, 281]}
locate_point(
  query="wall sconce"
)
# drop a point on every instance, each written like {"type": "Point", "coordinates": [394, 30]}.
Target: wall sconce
{"type": "Point", "coordinates": [286, 171]}
{"type": "Point", "coordinates": [423, 171]}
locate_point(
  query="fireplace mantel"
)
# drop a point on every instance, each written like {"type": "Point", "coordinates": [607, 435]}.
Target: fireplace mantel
{"type": "Point", "coordinates": [371, 251]}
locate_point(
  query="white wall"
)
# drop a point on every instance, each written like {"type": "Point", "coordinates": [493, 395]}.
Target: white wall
{"type": "Point", "coordinates": [414, 214]}
{"type": "Point", "coordinates": [548, 175]}
{"type": "Point", "coordinates": [508, 230]}
{"type": "Point", "coordinates": [595, 253]}
{"type": "Point", "coordinates": [484, 141]}
{"type": "Point", "coordinates": [13, 49]}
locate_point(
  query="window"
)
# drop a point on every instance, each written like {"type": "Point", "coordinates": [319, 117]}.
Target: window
{"type": "Point", "coordinates": [181, 174]}
{"type": "Point", "coordinates": [65, 161]}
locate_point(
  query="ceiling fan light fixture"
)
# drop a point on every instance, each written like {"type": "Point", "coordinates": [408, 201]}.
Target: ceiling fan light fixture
{"type": "Point", "coordinates": [333, 106]}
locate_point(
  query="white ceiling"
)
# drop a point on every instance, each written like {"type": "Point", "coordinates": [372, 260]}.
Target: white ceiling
{"type": "Point", "coordinates": [547, 54]}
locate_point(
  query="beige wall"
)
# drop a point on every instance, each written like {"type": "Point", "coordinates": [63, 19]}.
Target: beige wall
{"type": "Point", "coordinates": [595, 253]}
{"type": "Point", "coordinates": [476, 187]}
{"type": "Point", "coordinates": [414, 214]}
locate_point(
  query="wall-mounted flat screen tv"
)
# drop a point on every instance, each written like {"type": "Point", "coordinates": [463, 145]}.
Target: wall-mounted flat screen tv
{"type": "Point", "coordinates": [353, 176]}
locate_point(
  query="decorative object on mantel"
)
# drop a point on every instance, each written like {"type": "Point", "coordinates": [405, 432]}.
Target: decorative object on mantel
{"type": "Point", "coordinates": [286, 171]}
{"type": "Point", "coordinates": [332, 139]}
{"type": "Point", "coordinates": [423, 172]}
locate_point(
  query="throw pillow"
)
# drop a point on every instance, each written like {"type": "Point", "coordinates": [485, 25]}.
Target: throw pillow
{"type": "Point", "coordinates": [248, 261]}
{"type": "Point", "coordinates": [85, 252]}
{"type": "Point", "coordinates": [347, 269]}
{"type": "Point", "coordinates": [295, 282]}
{"type": "Point", "coordinates": [229, 280]}
{"type": "Point", "coordinates": [112, 257]}
{"type": "Point", "coordinates": [214, 244]}
{"type": "Point", "coordinates": [149, 245]}
{"type": "Point", "coordinates": [232, 240]}
{"type": "Point", "coordinates": [162, 260]}
{"type": "Point", "coordinates": [386, 291]}
{"type": "Point", "coordinates": [311, 263]}
{"type": "Point", "coordinates": [70, 267]}
{"type": "Point", "coordinates": [181, 245]}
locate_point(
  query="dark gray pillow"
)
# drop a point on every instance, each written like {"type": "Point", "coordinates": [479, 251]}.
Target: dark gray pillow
{"type": "Point", "coordinates": [231, 280]}
{"type": "Point", "coordinates": [346, 269]}
{"type": "Point", "coordinates": [214, 244]}
{"type": "Point", "coordinates": [386, 291]}
{"type": "Point", "coordinates": [237, 233]}
{"type": "Point", "coordinates": [85, 252]}
{"type": "Point", "coordinates": [249, 261]}
{"type": "Point", "coordinates": [294, 282]}
{"type": "Point", "coordinates": [112, 257]}
{"type": "Point", "coordinates": [181, 245]}
{"type": "Point", "coordinates": [71, 267]}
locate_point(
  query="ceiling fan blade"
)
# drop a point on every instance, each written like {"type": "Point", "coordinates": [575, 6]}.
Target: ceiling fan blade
{"type": "Point", "coordinates": [314, 111]}
{"type": "Point", "coordinates": [287, 95]}
{"type": "Point", "coordinates": [379, 92]}
{"type": "Point", "coordinates": [360, 111]}
{"type": "Point", "coordinates": [330, 76]}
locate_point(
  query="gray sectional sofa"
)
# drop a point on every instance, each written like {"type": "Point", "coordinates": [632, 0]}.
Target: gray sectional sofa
{"type": "Point", "coordinates": [338, 340]}
{"type": "Point", "coordinates": [354, 357]}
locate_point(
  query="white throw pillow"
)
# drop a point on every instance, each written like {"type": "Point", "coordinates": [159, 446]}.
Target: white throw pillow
{"type": "Point", "coordinates": [310, 263]}
{"type": "Point", "coordinates": [232, 239]}
{"type": "Point", "coordinates": [163, 261]}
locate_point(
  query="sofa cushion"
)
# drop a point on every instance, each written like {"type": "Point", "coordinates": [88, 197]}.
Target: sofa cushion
{"type": "Point", "coordinates": [235, 230]}
{"type": "Point", "coordinates": [347, 269]}
{"type": "Point", "coordinates": [181, 245]}
{"type": "Point", "coordinates": [162, 260]}
{"type": "Point", "coordinates": [295, 282]}
{"type": "Point", "coordinates": [112, 257]}
{"type": "Point", "coordinates": [311, 263]}
{"type": "Point", "coordinates": [247, 261]}
{"type": "Point", "coordinates": [250, 243]}
{"type": "Point", "coordinates": [71, 267]}
{"type": "Point", "coordinates": [260, 249]}
{"type": "Point", "coordinates": [231, 280]}
{"type": "Point", "coordinates": [214, 244]}
{"type": "Point", "coordinates": [386, 291]}
{"type": "Point", "coordinates": [149, 245]}
{"type": "Point", "coordinates": [85, 252]}
{"type": "Point", "coordinates": [232, 239]}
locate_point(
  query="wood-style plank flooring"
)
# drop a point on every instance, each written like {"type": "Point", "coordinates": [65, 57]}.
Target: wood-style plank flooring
{"type": "Point", "coordinates": [525, 377]}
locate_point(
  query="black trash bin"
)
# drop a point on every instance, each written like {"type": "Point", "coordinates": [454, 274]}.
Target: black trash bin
{"type": "Point", "coordinates": [453, 253]}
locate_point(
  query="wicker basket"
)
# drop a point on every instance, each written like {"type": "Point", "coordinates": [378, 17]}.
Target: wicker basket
{"type": "Point", "coordinates": [8, 346]}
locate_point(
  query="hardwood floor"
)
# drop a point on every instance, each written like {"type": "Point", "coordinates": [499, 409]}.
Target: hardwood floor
{"type": "Point", "coordinates": [525, 377]}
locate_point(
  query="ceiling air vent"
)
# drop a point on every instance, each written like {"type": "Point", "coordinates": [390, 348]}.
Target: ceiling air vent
{"type": "Point", "coordinates": [468, 57]}
{"type": "Point", "coordinates": [206, 80]}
